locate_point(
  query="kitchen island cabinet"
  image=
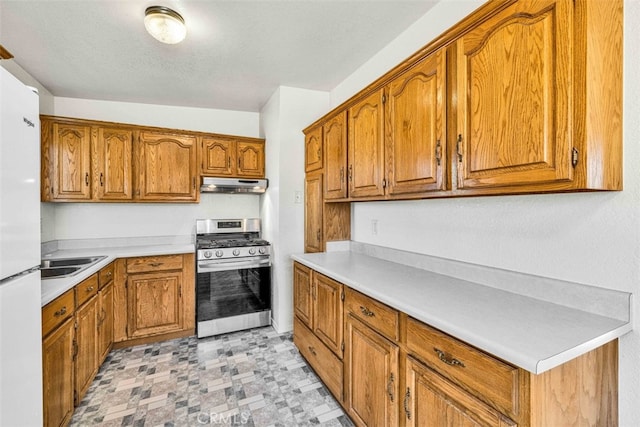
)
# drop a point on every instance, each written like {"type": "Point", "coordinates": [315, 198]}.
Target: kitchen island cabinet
{"type": "Point", "coordinates": [406, 361]}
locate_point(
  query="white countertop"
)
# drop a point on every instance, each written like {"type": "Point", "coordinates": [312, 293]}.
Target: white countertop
{"type": "Point", "coordinates": [530, 333]}
{"type": "Point", "coordinates": [53, 288]}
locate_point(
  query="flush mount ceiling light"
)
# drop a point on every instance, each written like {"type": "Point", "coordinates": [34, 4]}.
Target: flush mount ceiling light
{"type": "Point", "coordinates": [164, 24]}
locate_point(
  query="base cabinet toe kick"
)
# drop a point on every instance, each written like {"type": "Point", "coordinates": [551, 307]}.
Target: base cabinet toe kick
{"type": "Point", "coordinates": [388, 369]}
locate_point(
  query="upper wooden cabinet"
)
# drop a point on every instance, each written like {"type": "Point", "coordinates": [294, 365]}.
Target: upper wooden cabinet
{"type": "Point", "coordinates": [313, 150]}
{"type": "Point", "coordinates": [517, 129]}
{"type": "Point", "coordinates": [313, 235]}
{"type": "Point", "coordinates": [167, 167]}
{"type": "Point", "coordinates": [93, 161]}
{"type": "Point", "coordinates": [113, 169]}
{"type": "Point", "coordinates": [233, 157]}
{"type": "Point", "coordinates": [66, 161]}
{"type": "Point", "coordinates": [513, 99]}
{"type": "Point", "coordinates": [366, 147]}
{"type": "Point", "coordinates": [335, 149]}
{"type": "Point", "coordinates": [415, 128]}
{"type": "Point", "coordinates": [82, 162]}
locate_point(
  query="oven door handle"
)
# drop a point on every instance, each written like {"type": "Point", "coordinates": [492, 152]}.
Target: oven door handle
{"type": "Point", "coordinates": [209, 266]}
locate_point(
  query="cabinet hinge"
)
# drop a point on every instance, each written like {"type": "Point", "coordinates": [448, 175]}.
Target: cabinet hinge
{"type": "Point", "coordinates": [384, 183]}
{"type": "Point", "coordinates": [342, 346]}
{"type": "Point", "coordinates": [180, 291]}
{"type": "Point", "coordinates": [384, 99]}
{"type": "Point", "coordinates": [342, 297]}
{"type": "Point", "coordinates": [75, 395]}
{"type": "Point", "coordinates": [574, 156]}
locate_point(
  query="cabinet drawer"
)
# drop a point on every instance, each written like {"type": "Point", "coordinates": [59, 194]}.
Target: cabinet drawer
{"type": "Point", "coordinates": [322, 360]}
{"type": "Point", "coordinates": [488, 378]}
{"type": "Point", "coordinates": [154, 263]}
{"type": "Point", "coordinates": [86, 289]}
{"type": "Point", "coordinates": [380, 317]}
{"type": "Point", "coordinates": [54, 313]}
{"type": "Point", "coordinates": [105, 275]}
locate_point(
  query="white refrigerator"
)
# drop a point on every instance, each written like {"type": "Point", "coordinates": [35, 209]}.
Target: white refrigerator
{"type": "Point", "coordinates": [20, 307]}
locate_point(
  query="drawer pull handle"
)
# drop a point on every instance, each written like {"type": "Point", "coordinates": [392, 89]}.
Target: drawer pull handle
{"type": "Point", "coordinates": [312, 350]}
{"type": "Point", "coordinates": [155, 264]}
{"type": "Point", "coordinates": [366, 311]}
{"type": "Point", "coordinates": [443, 357]}
{"type": "Point", "coordinates": [61, 312]}
{"type": "Point", "coordinates": [90, 289]}
{"type": "Point", "coordinates": [407, 396]}
{"type": "Point", "coordinates": [390, 387]}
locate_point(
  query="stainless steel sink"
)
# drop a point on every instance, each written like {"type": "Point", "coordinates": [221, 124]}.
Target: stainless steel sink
{"type": "Point", "coordinates": [65, 267]}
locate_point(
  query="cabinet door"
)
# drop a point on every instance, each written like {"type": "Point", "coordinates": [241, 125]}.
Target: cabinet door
{"type": "Point", "coordinates": [327, 312]}
{"type": "Point", "coordinates": [71, 162]}
{"type": "Point", "coordinates": [430, 400]}
{"type": "Point", "coordinates": [313, 239]}
{"type": "Point", "coordinates": [335, 148]}
{"type": "Point", "coordinates": [105, 321]}
{"type": "Point", "coordinates": [218, 156]}
{"type": "Point", "coordinates": [366, 147]}
{"type": "Point", "coordinates": [57, 381]}
{"type": "Point", "coordinates": [155, 303]}
{"type": "Point", "coordinates": [515, 97]}
{"type": "Point", "coordinates": [313, 150]}
{"type": "Point", "coordinates": [415, 114]}
{"type": "Point", "coordinates": [250, 159]}
{"type": "Point", "coordinates": [371, 376]}
{"type": "Point", "coordinates": [86, 364]}
{"type": "Point", "coordinates": [303, 294]}
{"type": "Point", "coordinates": [114, 174]}
{"type": "Point", "coordinates": [167, 167]}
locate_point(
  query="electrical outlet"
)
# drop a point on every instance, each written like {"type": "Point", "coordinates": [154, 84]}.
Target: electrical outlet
{"type": "Point", "coordinates": [297, 197]}
{"type": "Point", "coordinates": [374, 227]}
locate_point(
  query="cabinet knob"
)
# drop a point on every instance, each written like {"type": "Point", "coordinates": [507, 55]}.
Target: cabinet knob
{"type": "Point", "coordinates": [89, 289]}
{"type": "Point", "coordinates": [61, 312]}
{"type": "Point", "coordinates": [101, 179]}
{"type": "Point", "coordinates": [86, 179]}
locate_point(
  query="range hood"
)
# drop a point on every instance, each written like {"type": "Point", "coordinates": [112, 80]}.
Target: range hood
{"type": "Point", "coordinates": [233, 185]}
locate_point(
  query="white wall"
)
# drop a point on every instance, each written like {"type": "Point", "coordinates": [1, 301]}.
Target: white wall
{"type": "Point", "coordinates": [95, 220]}
{"type": "Point", "coordinates": [288, 111]}
{"type": "Point", "coordinates": [587, 238]}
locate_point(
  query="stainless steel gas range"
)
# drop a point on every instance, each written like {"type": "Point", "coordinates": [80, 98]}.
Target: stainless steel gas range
{"type": "Point", "coordinates": [233, 276]}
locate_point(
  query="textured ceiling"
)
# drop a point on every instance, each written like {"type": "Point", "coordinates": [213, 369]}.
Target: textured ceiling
{"type": "Point", "coordinates": [237, 52]}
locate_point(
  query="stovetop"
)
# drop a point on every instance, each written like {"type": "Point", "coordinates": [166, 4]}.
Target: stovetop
{"type": "Point", "coordinates": [214, 242]}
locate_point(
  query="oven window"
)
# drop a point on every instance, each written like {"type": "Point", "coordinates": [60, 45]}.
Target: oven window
{"type": "Point", "coordinates": [231, 293]}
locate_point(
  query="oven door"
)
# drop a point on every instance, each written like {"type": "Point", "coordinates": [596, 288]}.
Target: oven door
{"type": "Point", "coordinates": [233, 294]}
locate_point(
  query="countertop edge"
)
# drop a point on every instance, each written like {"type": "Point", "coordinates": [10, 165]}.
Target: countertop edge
{"type": "Point", "coordinates": [53, 288]}
{"type": "Point", "coordinates": [529, 363]}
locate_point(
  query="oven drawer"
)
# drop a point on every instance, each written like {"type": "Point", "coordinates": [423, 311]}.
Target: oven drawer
{"type": "Point", "coordinates": [154, 263]}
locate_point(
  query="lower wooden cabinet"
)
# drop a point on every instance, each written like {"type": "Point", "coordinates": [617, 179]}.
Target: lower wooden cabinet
{"type": "Point", "coordinates": [57, 379]}
{"type": "Point", "coordinates": [397, 370]}
{"type": "Point", "coordinates": [371, 376]}
{"type": "Point", "coordinates": [154, 298]}
{"type": "Point", "coordinates": [429, 400]}
{"type": "Point", "coordinates": [105, 321]}
{"type": "Point", "coordinates": [86, 361]}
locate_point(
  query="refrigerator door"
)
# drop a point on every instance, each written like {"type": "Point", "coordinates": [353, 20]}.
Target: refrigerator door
{"type": "Point", "coordinates": [21, 351]}
{"type": "Point", "coordinates": [19, 177]}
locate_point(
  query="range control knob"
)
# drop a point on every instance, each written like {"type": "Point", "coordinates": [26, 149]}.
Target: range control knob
{"type": "Point", "coordinates": [252, 251]}
{"type": "Point", "coordinates": [236, 252]}
{"type": "Point", "coordinates": [207, 254]}
{"type": "Point", "coordinates": [262, 250]}
{"type": "Point", "coordinates": [218, 253]}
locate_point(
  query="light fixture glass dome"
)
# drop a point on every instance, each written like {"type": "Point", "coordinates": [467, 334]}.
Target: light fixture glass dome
{"type": "Point", "coordinates": [164, 24]}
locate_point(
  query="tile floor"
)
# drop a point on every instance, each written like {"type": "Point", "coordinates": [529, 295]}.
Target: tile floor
{"type": "Point", "coordinates": [249, 378]}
